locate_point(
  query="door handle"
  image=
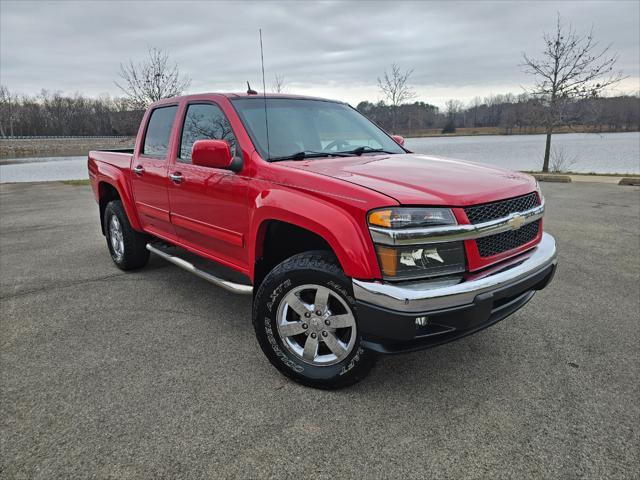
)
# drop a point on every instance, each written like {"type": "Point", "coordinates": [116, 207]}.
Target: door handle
{"type": "Point", "coordinates": [176, 177]}
{"type": "Point", "coordinates": [138, 170]}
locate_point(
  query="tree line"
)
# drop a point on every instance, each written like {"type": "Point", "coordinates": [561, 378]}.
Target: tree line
{"type": "Point", "coordinates": [57, 114]}
{"type": "Point", "coordinates": [54, 113]}
{"type": "Point", "coordinates": [510, 114]}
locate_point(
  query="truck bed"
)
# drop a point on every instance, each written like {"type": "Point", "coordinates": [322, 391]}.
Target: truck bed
{"type": "Point", "coordinates": [117, 150]}
{"type": "Point", "coordinates": [120, 158]}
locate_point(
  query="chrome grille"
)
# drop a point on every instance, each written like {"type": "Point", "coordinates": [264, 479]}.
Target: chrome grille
{"type": "Point", "coordinates": [491, 211]}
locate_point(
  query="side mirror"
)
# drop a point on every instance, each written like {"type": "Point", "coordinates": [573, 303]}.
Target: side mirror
{"type": "Point", "coordinates": [399, 139]}
{"type": "Point", "coordinates": [212, 154]}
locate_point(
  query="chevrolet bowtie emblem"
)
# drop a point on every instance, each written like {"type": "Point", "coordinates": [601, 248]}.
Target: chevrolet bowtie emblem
{"type": "Point", "coordinates": [516, 222]}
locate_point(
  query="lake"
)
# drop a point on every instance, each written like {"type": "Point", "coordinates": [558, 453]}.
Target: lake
{"type": "Point", "coordinates": [599, 153]}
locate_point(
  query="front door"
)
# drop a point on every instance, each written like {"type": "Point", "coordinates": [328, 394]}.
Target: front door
{"type": "Point", "coordinates": [149, 173]}
{"type": "Point", "coordinates": [208, 205]}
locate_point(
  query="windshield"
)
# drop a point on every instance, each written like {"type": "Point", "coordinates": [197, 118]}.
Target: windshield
{"type": "Point", "coordinates": [303, 128]}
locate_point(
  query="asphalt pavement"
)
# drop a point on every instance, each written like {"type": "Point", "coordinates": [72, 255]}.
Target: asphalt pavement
{"type": "Point", "coordinates": [157, 374]}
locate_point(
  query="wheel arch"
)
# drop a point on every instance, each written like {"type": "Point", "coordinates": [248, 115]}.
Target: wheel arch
{"type": "Point", "coordinates": [293, 231]}
{"type": "Point", "coordinates": [278, 240]}
{"type": "Point", "coordinates": [106, 194]}
{"type": "Point", "coordinates": [109, 189]}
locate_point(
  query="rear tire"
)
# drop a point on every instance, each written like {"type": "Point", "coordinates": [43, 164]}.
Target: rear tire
{"type": "Point", "coordinates": [305, 319]}
{"type": "Point", "coordinates": [128, 248]}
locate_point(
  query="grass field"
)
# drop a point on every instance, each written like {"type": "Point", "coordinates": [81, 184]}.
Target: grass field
{"type": "Point", "coordinates": [53, 147]}
{"type": "Point", "coordinates": [77, 183]}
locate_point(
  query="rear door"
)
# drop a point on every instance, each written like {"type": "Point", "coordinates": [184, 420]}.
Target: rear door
{"type": "Point", "coordinates": [149, 172]}
{"type": "Point", "coordinates": [209, 205]}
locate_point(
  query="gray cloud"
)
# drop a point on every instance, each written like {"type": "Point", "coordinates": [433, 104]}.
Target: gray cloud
{"type": "Point", "coordinates": [457, 49]}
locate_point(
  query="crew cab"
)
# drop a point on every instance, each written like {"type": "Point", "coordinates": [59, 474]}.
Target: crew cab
{"type": "Point", "coordinates": [350, 245]}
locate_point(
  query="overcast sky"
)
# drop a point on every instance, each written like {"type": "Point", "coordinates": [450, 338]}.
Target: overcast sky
{"type": "Point", "coordinates": [330, 49]}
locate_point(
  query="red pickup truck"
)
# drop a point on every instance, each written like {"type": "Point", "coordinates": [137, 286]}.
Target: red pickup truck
{"type": "Point", "coordinates": [351, 245]}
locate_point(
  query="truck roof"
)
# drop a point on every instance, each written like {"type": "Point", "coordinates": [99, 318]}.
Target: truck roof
{"type": "Point", "coordinates": [232, 95]}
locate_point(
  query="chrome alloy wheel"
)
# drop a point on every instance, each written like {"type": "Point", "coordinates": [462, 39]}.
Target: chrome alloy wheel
{"type": "Point", "coordinates": [316, 325]}
{"type": "Point", "coordinates": [116, 237]}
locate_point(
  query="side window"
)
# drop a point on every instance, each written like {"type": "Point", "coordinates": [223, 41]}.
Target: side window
{"type": "Point", "coordinates": [156, 140]}
{"type": "Point", "coordinates": [205, 121]}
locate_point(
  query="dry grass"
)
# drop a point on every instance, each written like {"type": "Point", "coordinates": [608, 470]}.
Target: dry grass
{"type": "Point", "coordinates": [77, 183]}
{"type": "Point", "coordinates": [54, 147]}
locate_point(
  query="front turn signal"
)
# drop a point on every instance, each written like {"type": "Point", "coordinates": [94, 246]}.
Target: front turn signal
{"type": "Point", "coordinates": [380, 218]}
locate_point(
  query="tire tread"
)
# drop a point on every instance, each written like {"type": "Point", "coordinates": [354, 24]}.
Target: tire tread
{"type": "Point", "coordinates": [319, 261]}
{"type": "Point", "coordinates": [136, 254]}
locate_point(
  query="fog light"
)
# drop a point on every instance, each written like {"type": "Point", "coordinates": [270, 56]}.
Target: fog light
{"type": "Point", "coordinates": [421, 321]}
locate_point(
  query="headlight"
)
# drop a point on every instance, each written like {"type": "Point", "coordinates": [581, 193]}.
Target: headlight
{"type": "Point", "coordinates": [404, 217]}
{"type": "Point", "coordinates": [420, 261]}
{"type": "Point", "coordinates": [417, 261]}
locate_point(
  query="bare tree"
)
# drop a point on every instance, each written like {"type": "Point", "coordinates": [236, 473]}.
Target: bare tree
{"type": "Point", "coordinates": [152, 79]}
{"type": "Point", "coordinates": [453, 109]}
{"type": "Point", "coordinates": [572, 66]}
{"type": "Point", "coordinates": [8, 112]}
{"type": "Point", "coordinates": [475, 105]}
{"type": "Point", "coordinates": [395, 88]}
{"type": "Point", "coordinates": [561, 160]}
{"type": "Point", "coordinates": [278, 84]}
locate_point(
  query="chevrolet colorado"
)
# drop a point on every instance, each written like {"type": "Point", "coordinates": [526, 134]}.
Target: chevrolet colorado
{"type": "Point", "coordinates": [350, 245]}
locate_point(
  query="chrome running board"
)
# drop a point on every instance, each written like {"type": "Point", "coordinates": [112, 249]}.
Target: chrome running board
{"type": "Point", "coordinates": [180, 262]}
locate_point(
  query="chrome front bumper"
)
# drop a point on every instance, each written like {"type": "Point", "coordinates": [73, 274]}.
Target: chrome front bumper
{"type": "Point", "coordinates": [423, 296]}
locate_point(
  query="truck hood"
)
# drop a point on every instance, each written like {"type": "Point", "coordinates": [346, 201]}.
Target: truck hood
{"type": "Point", "coordinates": [415, 179]}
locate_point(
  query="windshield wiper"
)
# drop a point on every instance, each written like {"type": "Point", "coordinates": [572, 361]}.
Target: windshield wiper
{"type": "Point", "coordinates": [366, 149]}
{"type": "Point", "coordinates": [310, 154]}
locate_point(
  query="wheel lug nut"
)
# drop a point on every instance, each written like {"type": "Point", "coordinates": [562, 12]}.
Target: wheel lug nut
{"type": "Point", "coordinates": [313, 335]}
{"type": "Point", "coordinates": [318, 313]}
{"type": "Point", "coordinates": [307, 315]}
{"type": "Point", "coordinates": [324, 334]}
{"type": "Point", "coordinates": [305, 326]}
{"type": "Point", "coordinates": [327, 322]}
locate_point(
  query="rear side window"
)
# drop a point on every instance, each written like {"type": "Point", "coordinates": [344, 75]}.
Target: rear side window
{"type": "Point", "coordinates": [205, 121]}
{"type": "Point", "coordinates": [156, 141]}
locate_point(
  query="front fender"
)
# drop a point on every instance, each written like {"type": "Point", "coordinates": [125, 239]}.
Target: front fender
{"type": "Point", "coordinates": [341, 226]}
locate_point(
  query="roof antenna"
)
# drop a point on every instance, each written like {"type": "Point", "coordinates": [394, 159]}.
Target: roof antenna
{"type": "Point", "coordinates": [264, 94]}
{"type": "Point", "coordinates": [250, 91]}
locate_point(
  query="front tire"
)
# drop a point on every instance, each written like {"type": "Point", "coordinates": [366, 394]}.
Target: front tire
{"type": "Point", "coordinates": [305, 319]}
{"type": "Point", "coordinates": [128, 248]}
